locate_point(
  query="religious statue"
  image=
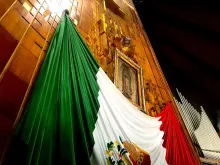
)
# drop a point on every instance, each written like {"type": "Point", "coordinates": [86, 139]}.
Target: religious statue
{"type": "Point", "coordinates": [124, 44]}
{"type": "Point", "coordinates": [127, 47]}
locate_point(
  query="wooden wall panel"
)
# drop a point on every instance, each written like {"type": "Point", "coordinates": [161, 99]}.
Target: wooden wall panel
{"type": "Point", "coordinates": [86, 23]}
{"type": "Point", "coordinates": [33, 41]}
{"type": "Point", "coordinates": [11, 95]}
{"type": "Point", "coordinates": [23, 64]}
{"type": "Point", "coordinates": [4, 5]}
{"type": "Point", "coordinates": [36, 3]}
{"type": "Point", "coordinates": [23, 12]}
{"type": "Point", "coordinates": [15, 24]}
{"type": "Point", "coordinates": [88, 8]}
{"type": "Point", "coordinates": [8, 44]}
{"type": "Point", "coordinates": [41, 26]}
{"type": "Point", "coordinates": [5, 129]}
{"type": "Point", "coordinates": [12, 91]}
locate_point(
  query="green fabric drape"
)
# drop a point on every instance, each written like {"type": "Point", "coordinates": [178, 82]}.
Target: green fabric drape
{"type": "Point", "coordinates": [62, 110]}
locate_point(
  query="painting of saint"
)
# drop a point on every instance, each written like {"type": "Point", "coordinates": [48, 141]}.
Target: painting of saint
{"type": "Point", "coordinates": [128, 81]}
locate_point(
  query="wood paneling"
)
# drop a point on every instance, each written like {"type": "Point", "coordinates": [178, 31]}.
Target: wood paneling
{"type": "Point", "coordinates": [35, 3]}
{"type": "Point", "coordinates": [23, 64]}
{"type": "Point", "coordinates": [88, 8]}
{"type": "Point", "coordinates": [12, 91]}
{"type": "Point", "coordinates": [33, 41]}
{"type": "Point", "coordinates": [23, 12]}
{"type": "Point", "coordinates": [4, 5]}
{"type": "Point", "coordinates": [86, 23]}
{"type": "Point", "coordinates": [8, 44]}
{"type": "Point", "coordinates": [14, 24]}
{"type": "Point", "coordinates": [41, 26]}
{"type": "Point", "coordinates": [11, 94]}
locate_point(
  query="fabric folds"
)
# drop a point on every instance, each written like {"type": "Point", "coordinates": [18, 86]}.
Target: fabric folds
{"type": "Point", "coordinates": [61, 113]}
{"type": "Point", "coordinates": [76, 116]}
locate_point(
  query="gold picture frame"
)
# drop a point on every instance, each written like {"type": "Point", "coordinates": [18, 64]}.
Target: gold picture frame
{"type": "Point", "coordinates": [128, 78]}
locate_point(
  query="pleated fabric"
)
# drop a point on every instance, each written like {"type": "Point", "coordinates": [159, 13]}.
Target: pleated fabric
{"type": "Point", "coordinates": [177, 147]}
{"type": "Point", "coordinates": [75, 110]}
{"type": "Point", "coordinates": [61, 113]}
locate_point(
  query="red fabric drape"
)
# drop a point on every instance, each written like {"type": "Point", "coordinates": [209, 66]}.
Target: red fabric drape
{"type": "Point", "coordinates": [177, 148]}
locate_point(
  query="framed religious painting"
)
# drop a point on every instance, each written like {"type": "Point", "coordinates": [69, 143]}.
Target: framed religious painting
{"type": "Point", "coordinates": [128, 78]}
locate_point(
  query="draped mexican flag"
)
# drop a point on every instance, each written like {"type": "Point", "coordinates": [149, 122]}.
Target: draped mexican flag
{"type": "Point", "coordinates": [76, 116]}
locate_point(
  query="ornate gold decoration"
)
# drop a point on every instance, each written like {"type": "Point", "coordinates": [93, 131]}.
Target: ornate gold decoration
{"type": "Point", "coordinates": [124, 44]}
{"type": "Point", "coordinates": [110, 37]}
{"type": "Point", "coordinates": [154, 102]}
{"type": "Point", "coordinates": [135, 152]}
{"type": "Point", "coordinates": [126, 153]}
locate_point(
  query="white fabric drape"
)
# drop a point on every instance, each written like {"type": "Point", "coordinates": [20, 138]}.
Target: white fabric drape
{"type": "Point", "coordinates": [118, 117]}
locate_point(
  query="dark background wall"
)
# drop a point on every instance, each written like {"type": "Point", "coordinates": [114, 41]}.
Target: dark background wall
{"type": "Point", "coordinates": [186, 39]}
